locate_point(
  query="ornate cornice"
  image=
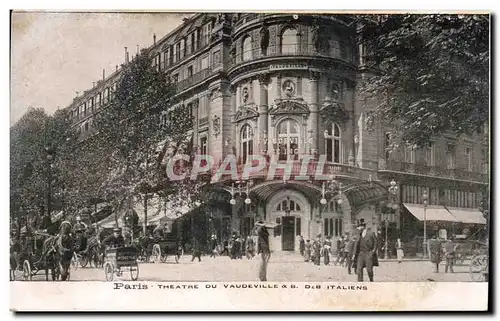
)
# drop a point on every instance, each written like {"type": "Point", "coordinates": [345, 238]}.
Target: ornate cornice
{"type": "Point", "coordinates": [246, 112]}
{"type": "Point", "coordinates": [289, 106]}
{"type": "Point", "coordinates": [333, 111]}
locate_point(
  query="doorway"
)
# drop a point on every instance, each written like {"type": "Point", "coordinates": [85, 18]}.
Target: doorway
{"type": "Point", "coordinates": [288, 233]}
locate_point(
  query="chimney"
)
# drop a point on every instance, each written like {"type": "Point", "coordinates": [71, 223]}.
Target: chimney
{"type": "Point", "coordinates": [103, 74]}
{"type": "Point", "coordinates": [126, 55]}
{"type": "Point", "coordinates": [116, 67]}
{"type": "Point", "coordinates": [137, 50]}
{"type": "Point", "coordinates": [93, 84]}
{"type": "Point", "coordinates": [154, 38]}
{"type": "Point", "coordinates": [77, 93]}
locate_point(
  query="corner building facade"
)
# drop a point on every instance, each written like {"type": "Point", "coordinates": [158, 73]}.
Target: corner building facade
{"type": "Point", "coordinates": [284, 86]}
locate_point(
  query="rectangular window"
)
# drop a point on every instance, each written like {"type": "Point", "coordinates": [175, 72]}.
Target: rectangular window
{"type": "Point", "coordinates": [430, 155]}
{"type": "Point", "coordinates": [175, 78]}
{"type": "Point", "coordinates": [171, 54]}
{"type": "Point", "coordinates": [468, 159]}
{"type": "Point", "coordinates": [450, 156]}
{"type": "Point", "coordinates": [387, 146]}
{"type": "Point", "coordinates": [176, 52]}
{"type": "Point", "coordinates": [204, 63]}
{"type": "Point", "coordinates": [325, 227]}
{"type": "Point", "coordinates": [165, 59]}
{"type": "Point", "coordinates": [182, 48]}
{"type": "Point", "coordinates": [409, 155]}
{"type": "Point", "coordinates": [190, 71]}
{"type": "Point", "coordinates": [216, 57]}
{"type": "Point", "coordinates": [329, 150]}
{"type": "Point", "coordinates": [203, 145]}
{"type": "Point", "coordinates": [163, 120]}
{"type": "Point", "coordinates": [298, 226]}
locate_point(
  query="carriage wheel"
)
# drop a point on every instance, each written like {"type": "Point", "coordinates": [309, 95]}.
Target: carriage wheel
{"type": "Point", "coordinates": [109, 271]}
{"type": "Point", "coordinates": [134, 272]}
{"type": "Point", "coordinates": [84, 261]}
{"type": "Point", "coordinates": [478, 266]}
{"type": "Point", "coordinates": [27, 276]}
{"type": "Point", "coordinates": [156, 253]}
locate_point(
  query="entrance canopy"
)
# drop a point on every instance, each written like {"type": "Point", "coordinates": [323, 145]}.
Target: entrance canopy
{"type": "Point", "coordinates": [431, 213]}
{"type": "Point", "coordinates": [468, 215]}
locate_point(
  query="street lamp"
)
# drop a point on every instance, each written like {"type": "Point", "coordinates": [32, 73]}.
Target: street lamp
{"type": "Point", "coordinates": [424, 198]}
{"type": "Point", "coordinates": [393, 190]}
{"type": "Point", "coordinates": [50, 157]}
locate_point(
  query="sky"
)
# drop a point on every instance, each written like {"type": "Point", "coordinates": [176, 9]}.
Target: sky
{"type": "Point", "coordinates": [56, 54]}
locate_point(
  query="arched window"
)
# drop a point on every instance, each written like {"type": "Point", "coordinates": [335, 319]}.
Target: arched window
{"type": "Point", "coordinates": [247, 48]}
{"type": "Point", "coordinates": [246, 142]}
{"type": "Point", "coordinates": [333, 143]}
{"type": "Point", "coordinates": [291, 205]}
{"type": "Point", "coordinates": [288, 139]}
{"type": "Point", "coordinates": [334, 206]}
{"type": "Point", "coordinates": [289, 41]}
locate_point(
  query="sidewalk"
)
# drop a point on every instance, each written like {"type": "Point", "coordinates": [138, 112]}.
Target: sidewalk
{"type": "Point", "coordinates": [291, 256]}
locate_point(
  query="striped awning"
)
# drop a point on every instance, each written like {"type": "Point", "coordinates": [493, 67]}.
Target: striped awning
{"type": "Point", "coordinates": [468, 215]}
{"type": "Point", "coordinates": [430, 213]}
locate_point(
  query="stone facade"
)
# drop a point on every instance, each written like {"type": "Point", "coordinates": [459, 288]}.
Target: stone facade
{"type": "Point", "coordinates": [289, 84]}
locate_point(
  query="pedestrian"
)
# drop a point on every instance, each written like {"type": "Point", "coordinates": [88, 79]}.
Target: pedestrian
{"type": "Point", "coordinates": [196, 250]}
{"type": "Point", "coordinates": [343, 244]}
{"type": "Point", "coordinates": [434, 249]}
{"type": "Point", "coordinates": [327, 245]}
{"type": "Point", "coordinates": [399, 250]}
{"type": "Point", "coordinates": [307, 251]}
{"type": "Point", "coordinates": [316, 248]}
{"type": "Point", "coordinates": [213, 246]}
{"type": "Point", "coordinates": [366, 250]}
{"type": "Point", "coordinates": [349, 253]}
{"type": "Point", "coordinates": [449, 249]}
{"type": "Point", "coordinates": [302, 245]}
{"type": "Point", "coordinates": [237, 245]}
{"type": "Point", "coordinates": [250, 247]}
{"type": "Point", "coordinates": [339, 249]}
{"type": "Point", "coordinates": [114, 240]}
{"type": "Point", "coordinates": [263, 248]}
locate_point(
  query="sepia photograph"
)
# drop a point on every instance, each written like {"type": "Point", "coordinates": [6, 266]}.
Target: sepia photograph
{"type": "Point", "coordinates": [328, 151]}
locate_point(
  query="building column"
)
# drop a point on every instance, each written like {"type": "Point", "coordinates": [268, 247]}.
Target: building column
{"type": "Point", "coordinates": [263, 114]}
{"type": "Point", "coordinates": [231, 148]}
{"type": "Point", "coordinates": [312, 123]}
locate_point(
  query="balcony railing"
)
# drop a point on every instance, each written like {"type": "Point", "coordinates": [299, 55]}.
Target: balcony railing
{"type": "Point", "coordinates": [194, 79]}
{"type": "Point", "coordinates": [436, 171]}
{"type": "Point", "coordinates": [290, 50]}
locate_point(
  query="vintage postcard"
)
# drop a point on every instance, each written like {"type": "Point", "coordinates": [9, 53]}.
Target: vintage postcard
{"type": "Point", "coordinates": [215, 161]}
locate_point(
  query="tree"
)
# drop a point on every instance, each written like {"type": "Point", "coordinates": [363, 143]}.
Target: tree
{"type": "Point", "coordinates": [135, 137]}
{"type": "Point", "coordinates": [431, 73]}
{"type": "Point", "coordinates": [38, 147]}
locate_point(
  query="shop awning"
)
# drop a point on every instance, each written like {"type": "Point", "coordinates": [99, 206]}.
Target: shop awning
{"type": "Point", "coordinates": [431, 213]}
{"type": "Point", "coordinates": [468, 215]}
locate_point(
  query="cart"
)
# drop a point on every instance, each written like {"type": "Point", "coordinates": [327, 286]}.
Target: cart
{"type": "Point", "coordinates": [479, 263]}
{"type": "Point", "coordinates": [34, 260]}
{"type": "Point", "coordinates": [121, 259]}
{"type": "Point", "coordinates": [165, 247]}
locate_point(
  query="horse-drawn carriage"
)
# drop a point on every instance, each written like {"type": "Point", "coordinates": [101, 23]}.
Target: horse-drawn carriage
{"type": "Point", "coordinates": [120, 258]}
{"type": "Point", "coordinates": [476, 253]}
{"type": "Point", "coordinates": [162, 248]}
{"type": "Point", "coordinates": [38, 251]}
{"type": "Point", "coordinates": [88, 251]}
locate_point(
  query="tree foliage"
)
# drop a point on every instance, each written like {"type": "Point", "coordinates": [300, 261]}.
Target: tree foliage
{"type": "Point", "coordinates": [431, 73]}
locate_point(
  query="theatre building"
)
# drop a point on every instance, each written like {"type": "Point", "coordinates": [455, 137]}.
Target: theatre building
{"type": "Point", "coordinates": [285, 86]}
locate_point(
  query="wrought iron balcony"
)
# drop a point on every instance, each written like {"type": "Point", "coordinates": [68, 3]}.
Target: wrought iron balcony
{"type": "Point", "coordinates": [194, 79]}
{"type": "Point", "coordinates": [436, 171]}
{"type": "Point", "coordinates": [291, 50]}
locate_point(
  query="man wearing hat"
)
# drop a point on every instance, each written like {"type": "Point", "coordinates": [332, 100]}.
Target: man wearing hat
{"type": "Point", "coordinates": [116, 239]}
{"type": "Point", "coordinates": [365, 250]}
{"type": "Point", "coordinates": [263, 248]}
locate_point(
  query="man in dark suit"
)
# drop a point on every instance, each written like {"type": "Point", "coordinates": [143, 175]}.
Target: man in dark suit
{"type": "Point", "coordinates": [365, 250]}
{"type": "Point", "coordinates": [263, 248]}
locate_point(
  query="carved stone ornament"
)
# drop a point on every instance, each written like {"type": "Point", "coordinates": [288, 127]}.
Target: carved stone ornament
{"type": "Point", "coordinates": [369, 122]}
{"type": "Point", "coordinates": [245, 112]}
{"type": "Point", "coordinates": [288, 88]}
{"type": "Point", "coordinates": [333, 111]}
{"type": "Point", "coordinates": [289, 106]}
{"type": "Point", "coordinates": [215, 93]}
{"type": "Point", "coordinates": [216, 126]}
{"type": "Point", "coordinates": [245, 94]}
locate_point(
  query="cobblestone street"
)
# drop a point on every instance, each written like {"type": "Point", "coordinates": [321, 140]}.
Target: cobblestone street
{"type": "Point", "coordinates": [282, 267]}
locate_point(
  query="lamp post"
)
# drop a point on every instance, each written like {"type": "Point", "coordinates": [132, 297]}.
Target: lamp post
{"type": "Point", "coordinates": [50, 157]}
{"type": "Point", "coordinates": [393, 191]}
{"type": "Point", "coordinates": [424, 198]}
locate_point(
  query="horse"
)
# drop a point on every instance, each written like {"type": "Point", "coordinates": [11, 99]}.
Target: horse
{"type": "Point", "coordinates": [51, 258]}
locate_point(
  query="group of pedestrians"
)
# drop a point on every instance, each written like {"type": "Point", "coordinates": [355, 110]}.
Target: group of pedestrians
{"type": "Point", "coordinates": [356, 251]}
